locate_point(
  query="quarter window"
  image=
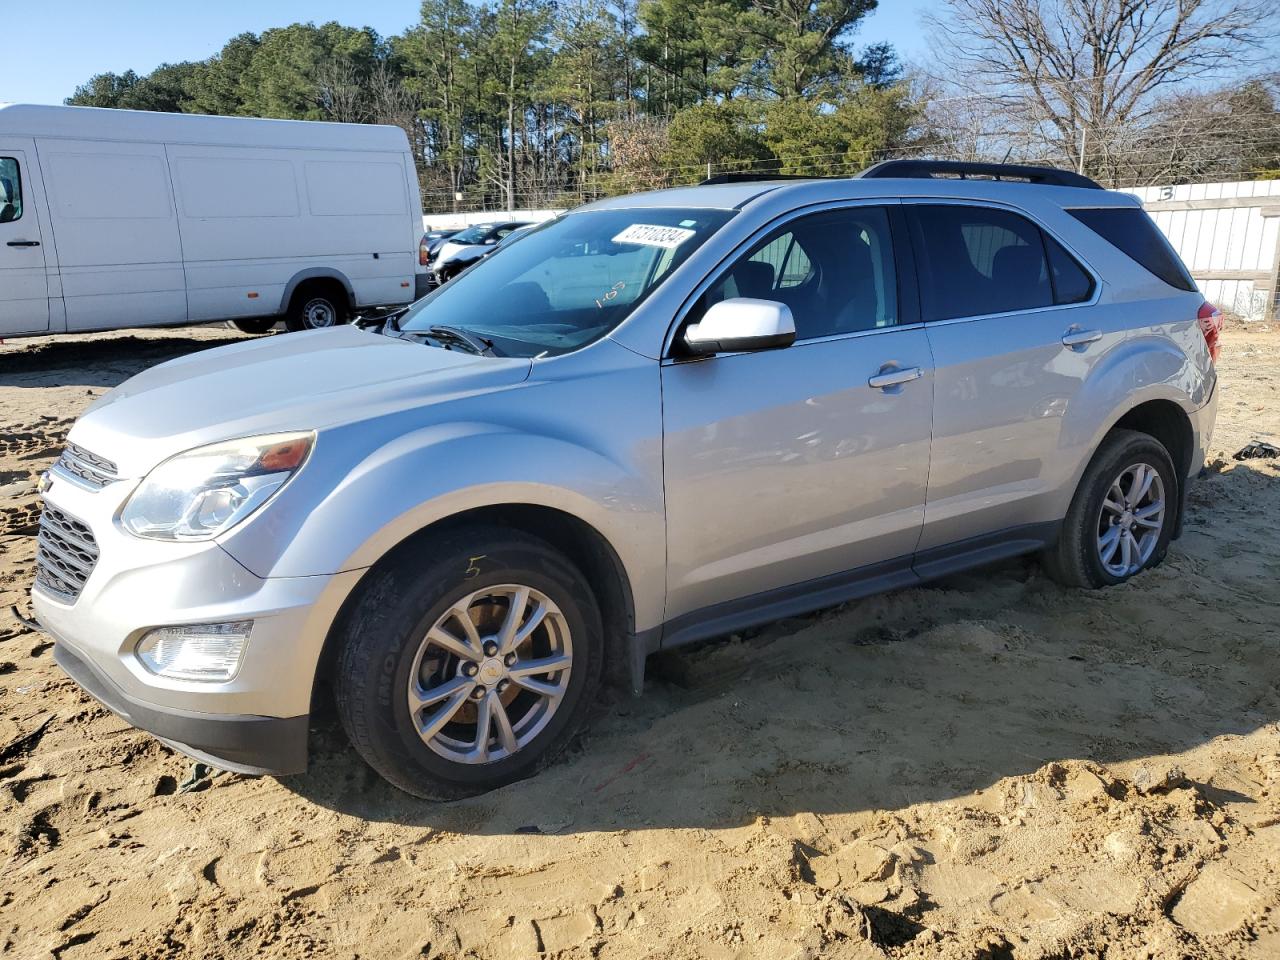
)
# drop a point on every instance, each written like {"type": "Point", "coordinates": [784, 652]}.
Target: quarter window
{"type": "Point", "coordinates": [835, 270]}
{"type": "Point", "coordinates": [1071, 283]}
{"type": "Point", "coordinates": [1131, 230]}
{"type": "Point", "coordinates": [10, 190]}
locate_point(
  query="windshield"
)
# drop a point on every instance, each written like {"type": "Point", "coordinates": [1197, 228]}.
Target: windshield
{"type": "Point", "coordinates": [474, 234]}
{"type": "Point", "coordinates": [569, 281]}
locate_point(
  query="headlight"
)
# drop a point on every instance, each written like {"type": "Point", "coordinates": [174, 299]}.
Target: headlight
{"type": "Point", "coordinates": [207, 491]}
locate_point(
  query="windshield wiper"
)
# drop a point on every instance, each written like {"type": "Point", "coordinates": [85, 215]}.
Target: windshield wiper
{"type": "Point", "coordinates": [481, 346]}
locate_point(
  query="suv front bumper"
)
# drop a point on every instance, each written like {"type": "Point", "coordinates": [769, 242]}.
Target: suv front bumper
{"type": "Point", "coordinates": [239, 742]}
{"type": "Point", "coordinates": [256, 722]}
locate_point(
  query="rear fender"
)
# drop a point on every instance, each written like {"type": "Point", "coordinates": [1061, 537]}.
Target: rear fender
{"type": "Point", "coordinates": [1146, 367]}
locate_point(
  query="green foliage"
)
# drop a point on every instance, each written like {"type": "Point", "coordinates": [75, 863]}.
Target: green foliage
{"type": "Point", "coordinates": [280, 79]}
{"type": "Point", "coordinates": [551, 101]}
{"type": "Point", "coordinates": [216, 88]}
{"type": "Point", "coordinates": [719, 134]}
{"type": "Point", "coordinates": [817, 138]}
{"type": "Point", "coordinates": [164, 89]}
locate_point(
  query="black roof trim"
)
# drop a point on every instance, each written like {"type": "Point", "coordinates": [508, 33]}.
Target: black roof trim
{"type": "Point", "coordinates": [963, 169]}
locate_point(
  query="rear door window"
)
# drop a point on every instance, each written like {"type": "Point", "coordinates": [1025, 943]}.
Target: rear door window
{"type": "Point", "coordinates": [1132, 232]}
{"type": "Point", "coordinates": [10, 190]}
{"type": "Point", "coordinates": [976, 260]}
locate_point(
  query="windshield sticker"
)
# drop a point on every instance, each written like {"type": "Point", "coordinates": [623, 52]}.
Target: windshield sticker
{"type": "Point", "coordinates": [649, 235]}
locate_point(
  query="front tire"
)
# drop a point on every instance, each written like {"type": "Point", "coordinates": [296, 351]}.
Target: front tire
{"type": "Point", "coordinates": [468, 663]}
{"type": "Point", "coordinates": [1122, 517]}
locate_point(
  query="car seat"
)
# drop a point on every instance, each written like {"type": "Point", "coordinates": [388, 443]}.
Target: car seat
{"type": "Point", "coordinates": [1018, 277]}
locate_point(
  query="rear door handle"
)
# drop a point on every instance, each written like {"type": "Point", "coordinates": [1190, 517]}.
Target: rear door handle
{"type": "Point", "coordinates": [1081, 338]}
{"type": "Point", "coordinates": [893, 376]}
{"type": "Point", "coordinates": [23, 243]}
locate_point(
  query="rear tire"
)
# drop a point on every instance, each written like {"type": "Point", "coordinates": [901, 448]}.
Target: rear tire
{"type": "Point", "coordinates": [1122, 517]}
{"type": "Point", "coordinates": [419, 691]}
{"type": "Point", "coordinates": [255, 324]}
{"type": "Point", "coordinates": [317, 309]}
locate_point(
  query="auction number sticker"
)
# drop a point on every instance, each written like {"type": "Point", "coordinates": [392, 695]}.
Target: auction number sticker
{"type": "Point", "coordinates": [649, 235]}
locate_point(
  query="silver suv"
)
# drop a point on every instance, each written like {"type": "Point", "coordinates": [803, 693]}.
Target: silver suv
{"type": "Point", "coordinates": [656, 419]}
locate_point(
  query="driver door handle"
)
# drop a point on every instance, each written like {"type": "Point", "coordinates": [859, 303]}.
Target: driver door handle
{"type": "Point", "coordinates": [894, 377]}
{"type": "Point", "coordinates": [23, 243]}
{"type": "Point", "coordinates": [1081, 338]}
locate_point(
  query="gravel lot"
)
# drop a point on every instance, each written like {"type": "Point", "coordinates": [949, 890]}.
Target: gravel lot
{"type": "Point", "coordinates": [990, 767]}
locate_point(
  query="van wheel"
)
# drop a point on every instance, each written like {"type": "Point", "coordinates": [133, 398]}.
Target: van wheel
{"type": "Point", "coordinates": [1122, 516]}
{"type": "Point", "coordinates": [468, 663]}
{"type": "Point", "coordinates": [316, 310]}
{"type": "Point", "coordinates": [255, 324]}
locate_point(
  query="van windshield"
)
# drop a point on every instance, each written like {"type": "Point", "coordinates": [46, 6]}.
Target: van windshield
{"type": "Point", "coordinates": [567, 282]}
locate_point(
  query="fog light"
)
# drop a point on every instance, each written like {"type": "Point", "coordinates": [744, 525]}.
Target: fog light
{"type": "Point", "coordinates": [197, 651]}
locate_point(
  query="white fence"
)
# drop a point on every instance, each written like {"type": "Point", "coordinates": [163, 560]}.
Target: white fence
{"type": "Point", "coordinates": [453, 221]}
{"type": "Point", "coordinates": [1228, 234]}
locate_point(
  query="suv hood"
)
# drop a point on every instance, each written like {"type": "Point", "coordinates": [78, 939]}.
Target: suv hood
{"type": "Point", "coordinates": [295, 381]}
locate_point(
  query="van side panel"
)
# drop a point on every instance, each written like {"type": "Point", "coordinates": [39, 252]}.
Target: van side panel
{"type": "Point", "coordinates": [119, 252]}
{"type": "Point", "coordinates": [368, 198]}
{"type": "Point", "coordinates": [240, 208]}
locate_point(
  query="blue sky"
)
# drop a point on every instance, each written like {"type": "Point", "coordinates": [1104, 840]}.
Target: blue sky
{"type": "Point", "coordinates": [53, 45]}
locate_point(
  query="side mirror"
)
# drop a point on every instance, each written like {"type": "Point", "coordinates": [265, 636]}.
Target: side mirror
{"type": "Point", "coordinates": [741, 324]}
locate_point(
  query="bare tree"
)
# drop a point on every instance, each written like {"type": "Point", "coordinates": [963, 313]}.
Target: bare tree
{"type": "Point", "coordinates": [1082, 72]}
{"type": "Point", "coordinates": [340, 92]}
{"type": "Point", "coordinates": [1223, 133]}
{"type": "Point", "coordinates": [636, 151]}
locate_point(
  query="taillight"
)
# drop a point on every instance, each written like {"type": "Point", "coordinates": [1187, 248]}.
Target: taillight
{"type": "Point", "coordinates": [424, 252]}
{"type": "Point", "coordinates": [1211, 323]}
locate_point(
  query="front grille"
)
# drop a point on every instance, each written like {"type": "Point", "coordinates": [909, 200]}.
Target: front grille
{"type": "Point", "coordinates": [66, 552]}
{"type": "Point", "coordinates": [93, 470]}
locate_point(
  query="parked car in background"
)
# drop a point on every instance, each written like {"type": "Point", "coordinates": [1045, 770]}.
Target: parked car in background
{"type": "Point", "coordinates": [474, 254]}
{"type": "Point", "coordinates": [656, 419]}
{"type": "Point", "coordinates": [469, 245]}
{"type": "Point", "coordinates": [119, 218]}
{"type": "Point", "coordinates": [432, 241]}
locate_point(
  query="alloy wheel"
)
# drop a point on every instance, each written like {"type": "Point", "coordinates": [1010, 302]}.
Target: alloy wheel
{"type": "Point", "coordinates": [490, 674]}
{"type": "Point", "coordinates": [1131, 520]}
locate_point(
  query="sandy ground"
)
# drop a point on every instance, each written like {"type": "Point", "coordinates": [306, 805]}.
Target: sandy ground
{"type": "Point", "coordinates": [992, 767]}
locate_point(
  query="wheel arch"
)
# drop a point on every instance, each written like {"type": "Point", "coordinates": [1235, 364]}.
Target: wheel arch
{"type": "Point", "coordinates": [585, 546]}
{"type": "Point", "coordinates": [313, 276]}
{"type": "Point", "coordinates": [1163, 416]}
{"type": "Point", "coordinates": [1168, 423]}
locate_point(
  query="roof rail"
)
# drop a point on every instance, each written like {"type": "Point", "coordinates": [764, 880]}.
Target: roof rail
{"type": "Point", "coordinates": [753, 177]}
{"type": "Point", "coordinates": [930, 169]}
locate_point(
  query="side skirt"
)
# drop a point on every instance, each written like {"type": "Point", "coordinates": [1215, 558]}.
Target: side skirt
{"type": "Point", "coordinates": [823, 592]}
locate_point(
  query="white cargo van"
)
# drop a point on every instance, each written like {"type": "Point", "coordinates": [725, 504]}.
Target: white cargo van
{"type": "Point", "coordinates": [120, 218]}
